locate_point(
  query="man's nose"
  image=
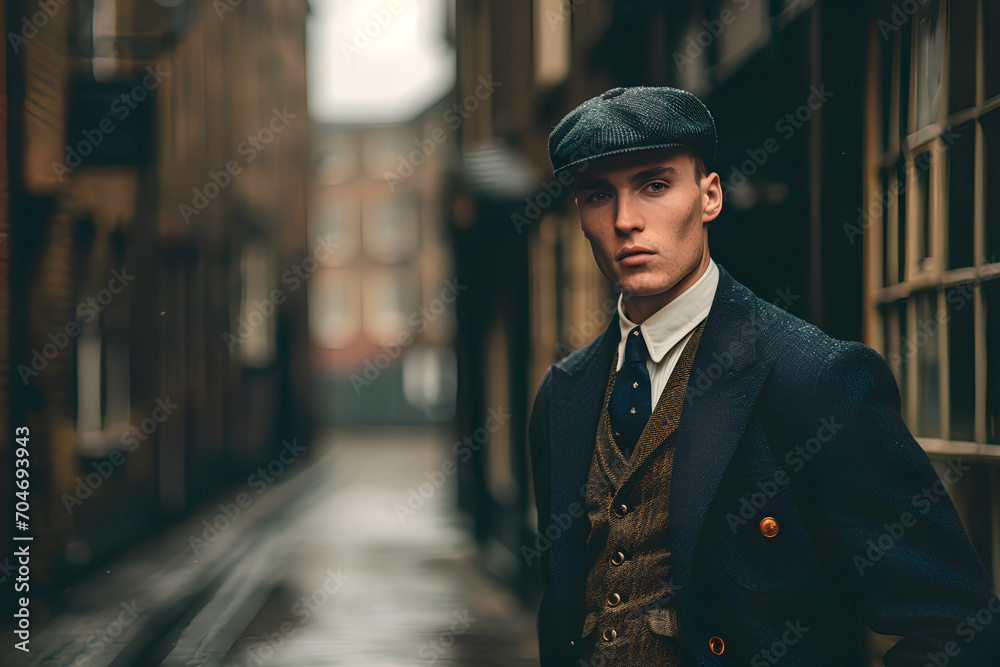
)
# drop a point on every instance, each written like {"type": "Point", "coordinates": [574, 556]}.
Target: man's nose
{"type": "Point", "coordinates": [626, 218]}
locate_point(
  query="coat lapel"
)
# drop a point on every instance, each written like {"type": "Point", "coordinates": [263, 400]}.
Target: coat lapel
{"type": "Point", "coordinates": [726, 378]}
{"type": "Point", "coordinates": [578, 396]}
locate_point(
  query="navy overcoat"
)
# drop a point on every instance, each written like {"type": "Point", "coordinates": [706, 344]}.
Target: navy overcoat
{"type": "Point", "coordinates": [801, 507]}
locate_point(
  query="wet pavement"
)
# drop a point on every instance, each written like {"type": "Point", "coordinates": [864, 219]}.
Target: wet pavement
{"type": "Point", "coordinates": [361, 586]}
{"type": "Point", "coordinates": [321, 570]}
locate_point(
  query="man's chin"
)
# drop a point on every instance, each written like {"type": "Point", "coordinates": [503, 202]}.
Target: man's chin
{"type": "Point", "coordinates": [639, 293]}
{"type": "Point", "coordinates": [634, 289]}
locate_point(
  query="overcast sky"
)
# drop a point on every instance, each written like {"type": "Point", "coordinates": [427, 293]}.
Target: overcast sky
{"type": "Point", "coordinates": [370, 64]}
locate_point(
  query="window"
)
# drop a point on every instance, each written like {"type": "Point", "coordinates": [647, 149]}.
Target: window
{"type": "Point", "coordinates": [391, 228]}
{"type": "Point", "coordinates": [103, 389]}
{"type": "Point", "coordinates": [933, 276]}
{"type": "Point", "coordinates": [335, 225]}
{"type": "Point", "coordinates": [552, 40]}
{"type": "Point", "coordinates": [335, 307]}
{"type": "Point", "coordinates": [391, 306]}
{"type": "Point", "coordinates": [258, 309]}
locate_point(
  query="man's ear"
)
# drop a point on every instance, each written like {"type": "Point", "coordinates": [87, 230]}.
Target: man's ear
{"type": "Point", "coordinates": [712, 197]}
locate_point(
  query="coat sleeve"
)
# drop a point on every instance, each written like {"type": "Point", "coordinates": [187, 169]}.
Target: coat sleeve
{"type": "Point", "coordinates": [538, 441]}
{"type": "Point", "coordinates": [899, 542]}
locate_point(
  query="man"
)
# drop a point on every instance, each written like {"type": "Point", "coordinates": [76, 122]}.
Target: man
{"type": "Point", "coordinates": [730, 485]}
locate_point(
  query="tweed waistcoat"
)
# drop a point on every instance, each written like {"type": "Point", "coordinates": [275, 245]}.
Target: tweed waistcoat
{"type": "Point", "coordinates": [631, 613]}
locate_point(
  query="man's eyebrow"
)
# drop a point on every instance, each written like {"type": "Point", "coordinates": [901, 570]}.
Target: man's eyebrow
{"type": "Point", "coordinates": [591, 184]}
{"type": "Point", "coordinates": [595, 183]}
{"type": "Point", "coordinates": [653, 171]}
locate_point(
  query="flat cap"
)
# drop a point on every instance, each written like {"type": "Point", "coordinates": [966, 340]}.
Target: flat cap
{"type": "Point", "coordinates": [622, 120]}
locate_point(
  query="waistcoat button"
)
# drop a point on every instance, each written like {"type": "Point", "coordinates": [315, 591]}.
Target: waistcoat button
{"type": "Point", "coordinates": [617, 558]}
{"type": "Point", "coordinates": [614, 599]}
{"type": "Point", "coordinates": [716, 645]}
{"type": "Point", "coordinates": [769, 526]}
{"type": "Point", "coordinates": [609, 634]}
{"type": "Point", "coordinates": [621, 510]}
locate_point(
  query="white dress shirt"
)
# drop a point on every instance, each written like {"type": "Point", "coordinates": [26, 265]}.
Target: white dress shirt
{"type": "Point", "coordinates": [668, 330]}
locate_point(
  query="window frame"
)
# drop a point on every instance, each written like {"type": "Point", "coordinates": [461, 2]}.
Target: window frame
{"type": "Point", "coordinates": [881, 301]}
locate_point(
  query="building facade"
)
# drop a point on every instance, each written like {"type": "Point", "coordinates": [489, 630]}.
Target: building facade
{"type": "Point", "coordinates": [855, 144]}
{"type": "Point", "coordinates": [154, 339]}
{"type": "Point", "coordinates": [382, 305]}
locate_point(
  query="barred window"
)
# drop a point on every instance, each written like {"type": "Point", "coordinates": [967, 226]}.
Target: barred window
{"type": "Point", "coordinates": [932, 218]}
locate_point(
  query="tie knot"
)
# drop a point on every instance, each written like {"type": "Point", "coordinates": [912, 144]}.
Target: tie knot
{"type": "Point", "coordinates": [635, 347]}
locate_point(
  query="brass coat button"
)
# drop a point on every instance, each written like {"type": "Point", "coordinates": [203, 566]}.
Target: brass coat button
{"type": "Point", "coordinates": [614, 599]}
{"type": "Point", "coordinates": [621, 510]}
{"type": "Point", "coordinates": [609, 634]}
{"type": "Point", "coordinates": [617, 558]}
{"type": "Point", "coordinates": [769, 526]}
{"type": "Point", "coordinates": [716, 645]}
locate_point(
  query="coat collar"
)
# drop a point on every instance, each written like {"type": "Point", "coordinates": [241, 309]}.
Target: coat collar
{"type": "Point", "coordinates": [726, 378]}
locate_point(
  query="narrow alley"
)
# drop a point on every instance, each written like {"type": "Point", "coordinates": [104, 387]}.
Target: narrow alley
{"type": "Point", "coordinates": [320, 571]}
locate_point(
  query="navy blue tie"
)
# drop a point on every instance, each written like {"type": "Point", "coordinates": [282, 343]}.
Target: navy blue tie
{"type": "Point", "coordinates": [631, 404]}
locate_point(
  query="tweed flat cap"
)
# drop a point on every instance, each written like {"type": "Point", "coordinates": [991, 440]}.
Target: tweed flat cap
{"type": "Point", "coordinates": [622, 120]}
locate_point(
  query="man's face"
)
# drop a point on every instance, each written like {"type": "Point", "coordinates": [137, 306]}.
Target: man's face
{"type": "Point", "coordinates": [644, 214]}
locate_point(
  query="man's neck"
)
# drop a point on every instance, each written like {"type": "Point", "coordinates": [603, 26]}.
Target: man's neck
{"type": "Point", "coordinates": [639, 308]}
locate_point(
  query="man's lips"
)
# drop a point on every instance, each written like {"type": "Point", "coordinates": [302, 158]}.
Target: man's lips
{"type": "Point", "coordinates": [635, 255]}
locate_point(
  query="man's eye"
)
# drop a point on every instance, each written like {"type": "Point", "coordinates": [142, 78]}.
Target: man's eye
{"type": "Point", "coordinates": [657, 187]}
{"type": "Point", "coordinates": [598, 197]}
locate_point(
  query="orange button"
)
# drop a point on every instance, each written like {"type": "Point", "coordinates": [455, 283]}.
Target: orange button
{"type": "Point", "coordinates": [716, 645]}
{"type": "Point", "coordinates": [609, 634]}
{"type": "Point", "coordinates": [769, 526]}
{"type": "Point", "coordinates": [614, 599]}
{"type": "Point", "coordinates": [621, 510]}
{"type": "Point", "coordinates": [617, 558]}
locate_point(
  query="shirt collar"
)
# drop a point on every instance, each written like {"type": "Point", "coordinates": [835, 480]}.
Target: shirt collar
{"type": "Point", "coordinates": [666, 327]}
